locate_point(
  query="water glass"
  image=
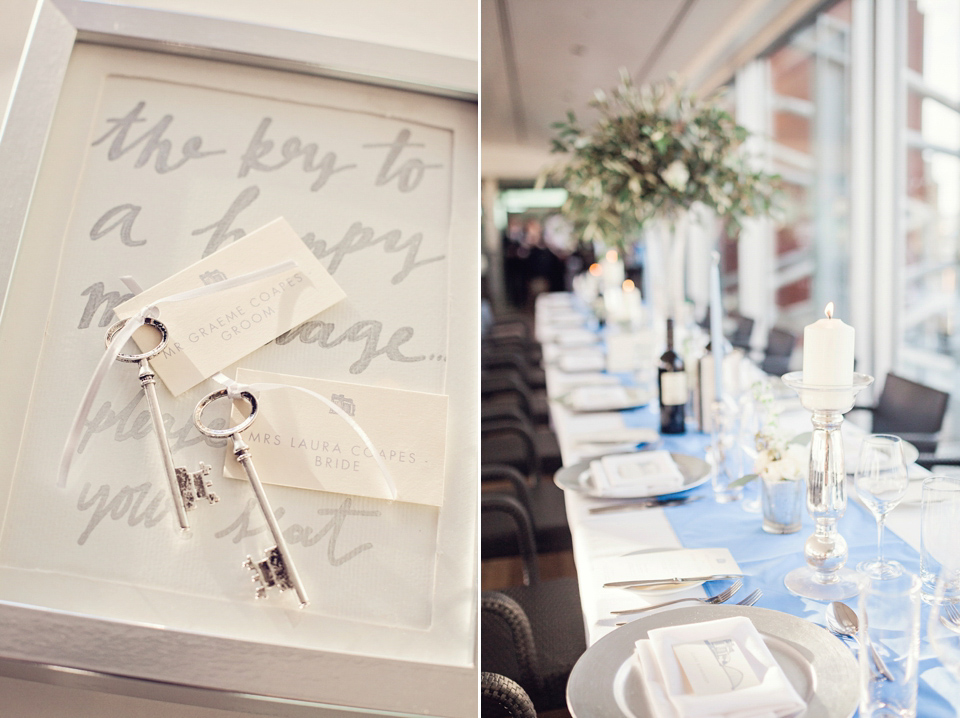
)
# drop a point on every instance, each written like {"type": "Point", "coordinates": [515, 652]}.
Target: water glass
{"type": "Point", "coordinates": [881, 481]}
{"type": "Point", "coordinates": [723, 450]}
{"type": "Point", "coordinates": [889, 618]}
{"type": "Point", "coordinates": [940, 537]}
{"type": "Point", "coordinates": [943, 628]}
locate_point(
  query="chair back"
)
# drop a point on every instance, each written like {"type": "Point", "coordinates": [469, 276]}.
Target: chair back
{"type": "Point", "coordinates": [506, 641]}
{"type": "Point", "coordinates": [501, 697]}
{"type": "Point", "coordinates": [908, 407]}
{"type": "Point", "coordinates": [780, 344]}
{"type": "Point", "coordinates": [741, 336]}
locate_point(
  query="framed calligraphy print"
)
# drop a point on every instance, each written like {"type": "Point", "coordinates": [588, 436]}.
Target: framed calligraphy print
{"type": "Point", "coordinates": [139, 142]}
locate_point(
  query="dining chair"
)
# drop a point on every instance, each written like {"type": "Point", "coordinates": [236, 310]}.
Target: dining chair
{"type": "Point", "coordinates": [498, 358]}
{"type": "Point", "coordinates": [508, 437]}
{"type": "Point", "coordinates": [915, 413]}
{"type": "Point", "coordinates": [776, 359]}
{"type": "Point", "coordinates": [508, 385]}
{"type": "Point", "coordinates": [501, 697]}
{"type": "Point", "coordinates": [740, 339]}
{"type": "Point", "coordinates": [543, 504]}
{"type": "Point", "coordinates": [540, 624]}
{"type": "Point", "coordinates": [511, 331]}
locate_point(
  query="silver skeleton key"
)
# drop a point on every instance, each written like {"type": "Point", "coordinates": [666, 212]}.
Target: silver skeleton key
{"type": "Point", "coordinates": [185, 487]}
{"type": "Point", "coordinates": [276, 568]}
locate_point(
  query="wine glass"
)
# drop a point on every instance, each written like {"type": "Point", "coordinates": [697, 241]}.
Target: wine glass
{"type": "Point", "coordinates": [943, 630]}
{"type": "Point", "coordinates": [881, 482]}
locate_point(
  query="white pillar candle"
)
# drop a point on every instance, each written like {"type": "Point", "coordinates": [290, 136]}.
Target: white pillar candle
{"type": "Point", "coordinates": [716, 325]}
{"type": "Point", "coordinates": [828, 352]}
{"type": "Point", "coordinates": [633, 301]}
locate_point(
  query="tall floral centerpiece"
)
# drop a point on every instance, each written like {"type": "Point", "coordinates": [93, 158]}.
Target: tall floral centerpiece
{"type": "Point", "coordinates": [654, 153]}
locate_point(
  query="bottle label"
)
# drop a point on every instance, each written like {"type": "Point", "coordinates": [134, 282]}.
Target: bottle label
{"type": "Point", "coordinates": [673, 388]}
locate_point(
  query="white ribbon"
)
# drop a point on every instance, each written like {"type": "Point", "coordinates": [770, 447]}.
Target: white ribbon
{"type": "Point", "coordinates": [235, 388]}
{"type": "Point", "coordinates": [126, 333]}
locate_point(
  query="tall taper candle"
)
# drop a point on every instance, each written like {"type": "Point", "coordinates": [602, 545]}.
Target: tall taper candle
{"type": "Point", "coordinates": [716, 326]}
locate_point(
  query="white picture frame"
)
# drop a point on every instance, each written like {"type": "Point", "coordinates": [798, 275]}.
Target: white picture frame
{"type": "Point", "coordinates": [103, 653]}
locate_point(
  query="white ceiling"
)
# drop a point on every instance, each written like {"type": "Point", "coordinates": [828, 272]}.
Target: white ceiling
{"type": "Point", "coordinates": [540, 58]}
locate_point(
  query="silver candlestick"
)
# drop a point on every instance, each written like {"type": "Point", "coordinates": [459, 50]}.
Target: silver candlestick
{"type": "Point", "coordinates": [824, 578]}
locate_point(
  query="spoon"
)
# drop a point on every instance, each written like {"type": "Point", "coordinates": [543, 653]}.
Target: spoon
{"type": "Point", "coordinates": [842, 620]}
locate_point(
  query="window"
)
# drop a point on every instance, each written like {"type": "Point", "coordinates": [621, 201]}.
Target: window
{"type": "Point", "coordinates": [809, 111]}
{"type": "Point", "coordinates": [929, 340]}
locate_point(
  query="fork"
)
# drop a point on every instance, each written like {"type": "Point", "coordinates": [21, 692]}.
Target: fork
{"type": "Point", "coordinates": [952, 619]}
{"type": "Point", "coordinates": [751, 599]}
{"type": "Point", "coordinates": [724, 595]}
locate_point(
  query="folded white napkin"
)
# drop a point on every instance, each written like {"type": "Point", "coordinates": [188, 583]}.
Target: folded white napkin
{"type": "Point", "coordinates": [598, 398]}
{"type": "Point", "coordinates": [746, 661]}
{"type": "Point", "coordinates": [575, 337]}
{"type": "Point", "coordinates": [646, 473]}
{"type": "Point", "coordinates": [582, 361]}
{"type": "Point", "coordinates": [561, 384]}
{"type": "Point", "coordinates": [616, 436]}
{"type": "Point", "coordinates": [566, 318]}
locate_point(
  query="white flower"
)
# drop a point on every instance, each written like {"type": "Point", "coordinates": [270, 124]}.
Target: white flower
{"type": "Point", "coordinates": [676, 175]}
{"type": "Point", "coordinates": [782, 463]}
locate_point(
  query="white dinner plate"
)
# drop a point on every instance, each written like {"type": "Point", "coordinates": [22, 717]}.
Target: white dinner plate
{"type": "Point", "coordinates": [851, 452]}
{"type": "Point", "coordinates": [577, 478]}
{"type": "Point", "coordinates": [582, 360]}
{"type": "Point", "coordinates": [606, 398]}
{"type": "Point", "coordinates": [605, 682]}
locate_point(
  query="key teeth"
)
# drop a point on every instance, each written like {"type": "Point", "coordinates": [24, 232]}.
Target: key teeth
{"type": "Point", "coordinates": [269, 572]}
{"type": "Point", "coordinates": [195, 485]}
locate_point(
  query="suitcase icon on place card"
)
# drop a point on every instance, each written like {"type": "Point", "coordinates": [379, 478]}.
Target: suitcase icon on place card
{"type": "Point", "coordinates": [213, 276]}
{"type": "Point", "coordinates": [345, 403]}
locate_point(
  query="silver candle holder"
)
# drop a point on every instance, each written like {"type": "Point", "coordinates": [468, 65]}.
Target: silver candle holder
{"type": "Point", "coordinates": [824, 578]}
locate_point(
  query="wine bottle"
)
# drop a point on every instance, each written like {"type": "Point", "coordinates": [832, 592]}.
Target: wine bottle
{"type": "Point", "coordinates": [673, 388]}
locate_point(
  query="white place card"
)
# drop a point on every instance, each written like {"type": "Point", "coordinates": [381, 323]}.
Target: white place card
{"type": "Point", "coordinates": [208, 333]}
{"type": "Point", "coordinates": [298, 441]}
{"type": "Point", "coordinates": [665, 565]}
{"type": "Point", "coordinates": [715, 666]}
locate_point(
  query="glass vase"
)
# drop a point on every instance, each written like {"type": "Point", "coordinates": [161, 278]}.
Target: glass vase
{"type": "Point", "coordinates": [783, 504]}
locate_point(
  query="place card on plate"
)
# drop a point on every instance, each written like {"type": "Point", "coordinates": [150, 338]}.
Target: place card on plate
{"type": "Point", "coordinates": [637, 474]}
{"type": "Point", "coordinates": [298, 441]}
{"type": "Point", "coordinates": [719, 668]}
{"type": "Point", "coordinates": [715, 666]}
{"type": "Point", "coordinates": [211, 332]}
{"type": "Point", "coordinates": [601, 398]}
{"type": "Point", "coordinates": [667, 565]}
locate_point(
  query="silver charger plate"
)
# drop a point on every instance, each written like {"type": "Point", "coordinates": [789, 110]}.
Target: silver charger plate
{"type": "Point", "coordinates": [606, 683]}
{"type": "Point", "coordinates": [695, 472]}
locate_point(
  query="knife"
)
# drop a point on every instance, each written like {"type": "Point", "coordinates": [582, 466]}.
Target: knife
{"type": "Point", "coordinates": [644, 504]}
{"type": "Point", "coordinates": [670, 581]}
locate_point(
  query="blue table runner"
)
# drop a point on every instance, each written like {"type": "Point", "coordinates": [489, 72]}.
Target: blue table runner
{"type": "Point", "coordinates": [767, 558]}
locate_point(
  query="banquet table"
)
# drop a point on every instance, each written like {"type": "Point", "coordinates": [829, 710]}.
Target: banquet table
{"type": "Point", "coordinates": [764, 558]}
